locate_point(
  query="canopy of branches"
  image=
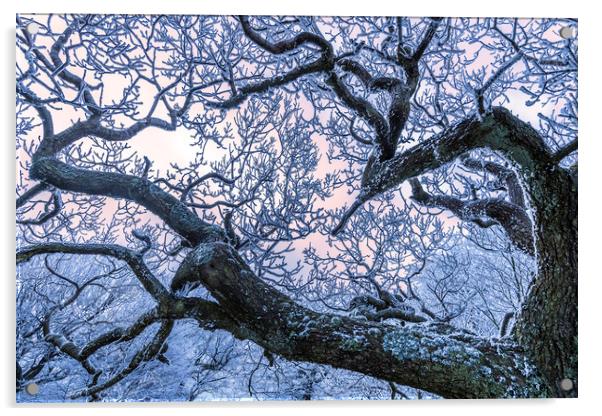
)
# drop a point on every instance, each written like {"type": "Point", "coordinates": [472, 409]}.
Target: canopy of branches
{"type": "Point", "coordinates": [221, 207]}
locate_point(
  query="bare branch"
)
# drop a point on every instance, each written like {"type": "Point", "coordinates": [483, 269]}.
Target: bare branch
{"type": "Point", "coordinates": [174, 212]}
{"type": "Point", "coordinates": [511, 217]}
{"type": "Point", "coordinates": [324, 63]}
{"type": "Point", "coordinates": [514, 188]}
{"type": "Point", "coordinates": [498, 131]}
{"type": "Point", "coordinates": [134, 260]}
{"type": "Point", "coordinates": [30, 193]}
{"type": "Point", "coordinates": [566, 150]}
{"type": "Point", "coordinates": [57, 204]}
{"type": "Point", "coordinates": [147, 353]}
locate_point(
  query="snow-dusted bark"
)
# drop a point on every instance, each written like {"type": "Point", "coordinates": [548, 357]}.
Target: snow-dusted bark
{"type": "Point", "coordinates": [436, 357]}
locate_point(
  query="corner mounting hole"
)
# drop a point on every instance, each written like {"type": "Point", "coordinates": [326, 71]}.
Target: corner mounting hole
{"type": "Point", "coordinates": [32, 28]}
{"type": "Point", "coordinates": [566, 384]}
{"type": "Point", "coordinates": [32, 389]}
{"type": "Point", "coordinates": [566, 32]}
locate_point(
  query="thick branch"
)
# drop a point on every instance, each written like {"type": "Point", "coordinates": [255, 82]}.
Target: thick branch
{"type": "Point", "coordinates": [50, 145]}
{"type": "Point", "coordinates": [498, 131]}
{"type": "Point", "coordinates": [434, 357]}
{"type": "Point", "coordinates": [120, 334]}
{"type": "Point", "coordinates": [511, 217]}
{"type": "Point", "coordinates": [395, 313]}
{"type": "Point", "coordinates": [324, 62]}
{"type": "Point", "coordinates": [361, 106]}
{"type": "Point", "coordinates": [515, 191]}
{"type": "Point", "coordinates": [387, 130]}
{"type": "Point", "coordinates": [140, 190]}
{"type": "Point", "coordinates": [283, 46]}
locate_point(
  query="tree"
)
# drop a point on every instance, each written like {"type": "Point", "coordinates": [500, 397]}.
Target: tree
{"type": "Point", "coordinates": [457, 202]}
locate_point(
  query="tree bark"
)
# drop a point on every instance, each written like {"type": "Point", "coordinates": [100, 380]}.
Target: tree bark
{"type": "Point", "coordinates": [436, 357]}
{"type": "Point", "coordinates": [547, 324]}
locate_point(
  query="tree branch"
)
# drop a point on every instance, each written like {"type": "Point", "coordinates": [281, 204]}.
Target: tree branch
{"type": "Point", "coordinates": [152, 285]}
{"type": "Point", "coordinates": [324, 63]}
{"type": "Point", "coordinates": [387, 131]}
{"type": "Point", "coordinates": [435, 357]}
{"type": "Point", "coordinates": [362, 107]}
{"type": "Point", "coordinates": [410, 63]}
{"type": "Point", "coordinates": [57, 204]}
{"type": "Point", "coordinates": [171, 210]}
{"type": "Point", "coordinates": [515, 191]}
{"type": "Point", "coordinates": [146, 353]}
{"type": "Point", "coordinates": [499, 131]}
{"type": "Point", "coordinates": [565, 151]}
{"type": "Point", "coordinates": [212, 175]}
{"type": "Point", "coordinates": [60, 67]}
{"type": "Point", "coordinates": [512, 218]}
{"type": "Point", "coordinates": [284, 45]}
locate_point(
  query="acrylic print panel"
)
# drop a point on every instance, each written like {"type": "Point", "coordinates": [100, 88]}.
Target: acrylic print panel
{"type": "Point", "coordinates": [295, 208]}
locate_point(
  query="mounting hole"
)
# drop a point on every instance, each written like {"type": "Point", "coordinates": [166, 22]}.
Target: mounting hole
{"type": "Point", "coordinates": [566, 384]}
{"type": "Point", "coordinates": [33, 28]}
{"type": "Point", "coordinates": [566, 32]}
{"type": "Point", "coordinates": [32, 389]}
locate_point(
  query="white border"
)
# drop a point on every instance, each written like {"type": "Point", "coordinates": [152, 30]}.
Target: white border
{"type": "Point", "coordinates": [590, 288]}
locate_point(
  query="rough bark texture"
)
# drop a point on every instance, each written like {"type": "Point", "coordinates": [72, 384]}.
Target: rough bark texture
{"type": "Point", "coordinates": [434, 357]}
{"type": "Point", "coordinates": [547, 325]}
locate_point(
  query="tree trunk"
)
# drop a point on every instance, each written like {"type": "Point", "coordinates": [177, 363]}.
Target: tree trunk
{"type": "Point", "coordinates": [547, 326]}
